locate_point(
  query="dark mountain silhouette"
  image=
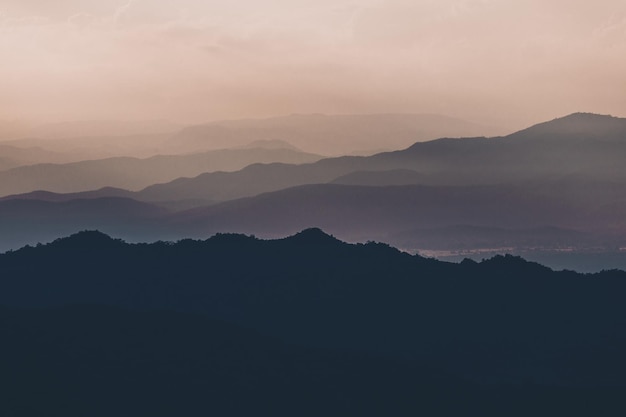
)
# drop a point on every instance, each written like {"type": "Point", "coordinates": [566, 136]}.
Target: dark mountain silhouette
{"type": "Point", "coordinates": [327, 134]}
{"type": "Point", "coordinates": [512, 327]}
{"type": "Point", "coordinates": [133, 173]}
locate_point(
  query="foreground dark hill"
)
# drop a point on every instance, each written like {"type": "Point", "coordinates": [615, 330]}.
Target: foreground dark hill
{"type": "Point", "coordinates": [100, 361]}
{"type": "Point", "coordinates": [500, 322]}
{"type": "Point", "coordinates": [584, 145]}
{"type": "Point", "coordinates": [96, 361]}
{"type": "Point", "coordinates": [134, 173]}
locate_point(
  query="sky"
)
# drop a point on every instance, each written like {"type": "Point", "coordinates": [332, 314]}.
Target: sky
{"type": "Point", "coordinates": [501, 62]}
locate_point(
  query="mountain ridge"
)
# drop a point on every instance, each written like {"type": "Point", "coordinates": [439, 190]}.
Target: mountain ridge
{"type": "Point", "coordinates": [135, 173]}
{"type": "Point", "coordinates": [581, 125]}
{"type": "Point", "coordinates": [463, 161]}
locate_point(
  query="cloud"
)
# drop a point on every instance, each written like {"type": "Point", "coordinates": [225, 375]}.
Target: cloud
{"type": "Point", "coordinates": [195, 60]}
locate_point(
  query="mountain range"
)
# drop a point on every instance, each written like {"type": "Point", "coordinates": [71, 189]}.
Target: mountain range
{"type": "Point", "coordinates": [134, 173]}
{"type": "Point", "coordinates": [565, 178]}
{"type": "Point", "coordinates": [323, 134]}
{"type": "Point", "coordinates": [533, 154]}
{"type": "Point", "coordinates": [308, 324]}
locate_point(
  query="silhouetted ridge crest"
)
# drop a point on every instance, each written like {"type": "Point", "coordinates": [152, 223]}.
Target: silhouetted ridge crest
{"type": "Point", "coordinates": [515, 263]}
{"type": "Point", "coordinates": [313, 236]}
{"type": "Point", "coordinates": [88, 240]}
{"type": "Point", "coordinates": [443, 144]}
{"type": "Point", "coordinates": [577, 126]}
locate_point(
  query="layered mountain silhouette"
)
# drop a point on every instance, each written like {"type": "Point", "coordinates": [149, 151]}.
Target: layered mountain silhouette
{"type": "Point", "coordinates": [359, 212]}
{"type": "Point", "coordinates": [357, 134]}
{"type": "Point", "coordinates": [565, 178]}
{"type": "Point", "coordinates": [520, 156]}
{"type": "Point", "coordinates": [583, 217]}
{"type": "Point", "coordinates": [577, 126]}
{"type": "Point", "coordinates": [528, 155]}
{"type": "Point", "coordinates": [380, 178]}
{"type": "Point", "coordinates": [133, 173]}
{"type": "Point", "coordinates": [390, 329]}
{"type": "Point", "coordinates": [13, 156]}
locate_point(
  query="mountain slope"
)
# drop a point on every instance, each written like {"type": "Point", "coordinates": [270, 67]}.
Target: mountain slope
{"type": "Point", "coordinates": [380, 178]}
{"type": "Point", "coordinates": [468, 161]}
{"type": "Point", "coordinates": [133, 173]}
{"type": "Point", "coordinates": [592, 213]}
{"type": "Point", "coordinates": [576, 126]}
{"type": "Point", "coordinates": [361, 212]}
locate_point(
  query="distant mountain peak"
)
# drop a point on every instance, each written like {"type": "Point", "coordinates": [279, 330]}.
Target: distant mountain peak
{"type": "Point", "coordinates": [587, 116]}
{"type": "Point", "coordinates": [578, 125]}
{"type": "Point", "coordinates": [582, 120]}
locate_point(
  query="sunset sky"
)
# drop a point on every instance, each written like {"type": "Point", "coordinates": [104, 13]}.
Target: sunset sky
{"type": "Point", "coordinates": [501, 62]}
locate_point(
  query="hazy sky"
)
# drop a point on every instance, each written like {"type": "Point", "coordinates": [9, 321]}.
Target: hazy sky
{"type": "Point", "coordinates": [507, 62]}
